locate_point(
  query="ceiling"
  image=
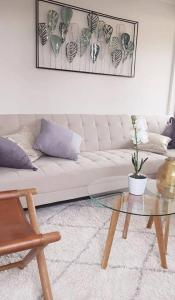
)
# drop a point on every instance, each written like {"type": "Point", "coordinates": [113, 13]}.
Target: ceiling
{"type": "Point", "coordinates": [168, 1]}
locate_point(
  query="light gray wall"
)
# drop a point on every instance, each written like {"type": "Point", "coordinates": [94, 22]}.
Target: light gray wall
{"type": "Point", "coordinates": [24, 89]}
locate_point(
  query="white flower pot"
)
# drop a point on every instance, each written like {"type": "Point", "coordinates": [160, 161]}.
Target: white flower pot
{"type": "Point", "coordinates": [137, 185]}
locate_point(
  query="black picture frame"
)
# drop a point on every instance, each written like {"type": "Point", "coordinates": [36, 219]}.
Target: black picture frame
{"type": "Point", "coordinates": [135, 25]}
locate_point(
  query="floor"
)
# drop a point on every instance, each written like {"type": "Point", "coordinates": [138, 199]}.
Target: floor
{"type": "Point", "coordinates": [134, 271]}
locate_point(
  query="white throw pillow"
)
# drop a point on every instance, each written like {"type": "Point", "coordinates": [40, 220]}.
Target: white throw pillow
{"type": "Point", "coordinates": [25, 139]}
{"type": "Point", "coordinates": [157, 143]}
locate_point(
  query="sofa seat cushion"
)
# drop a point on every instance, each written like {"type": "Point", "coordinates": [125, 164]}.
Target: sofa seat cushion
{"type": "Point", "coordinates": [60, 174]}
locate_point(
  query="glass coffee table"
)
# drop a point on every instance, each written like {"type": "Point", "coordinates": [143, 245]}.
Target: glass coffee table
{"type": "Point", "coordinates": [112, 193]}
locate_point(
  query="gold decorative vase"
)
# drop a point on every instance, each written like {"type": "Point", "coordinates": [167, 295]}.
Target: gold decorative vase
{"type": "Point", "coordinates": [166, 178]}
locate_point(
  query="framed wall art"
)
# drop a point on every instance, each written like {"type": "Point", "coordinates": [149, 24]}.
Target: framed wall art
{"type": "Point", "coordinates": [70, 38]}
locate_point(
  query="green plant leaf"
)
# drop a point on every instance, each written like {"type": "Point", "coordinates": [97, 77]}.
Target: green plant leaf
{"type": "Point", "coordinates": [142, 163]}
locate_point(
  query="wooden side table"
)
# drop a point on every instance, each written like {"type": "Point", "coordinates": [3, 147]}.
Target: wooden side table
{"type": "Point", "coordinates": [104, 193]}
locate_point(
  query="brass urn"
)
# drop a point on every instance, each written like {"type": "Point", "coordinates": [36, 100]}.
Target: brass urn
{"type": "Point", "coordinates": [166, 178]}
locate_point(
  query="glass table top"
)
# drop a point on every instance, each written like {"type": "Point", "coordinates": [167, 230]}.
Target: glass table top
{"type": "Point", "coordinates": [112, 193]}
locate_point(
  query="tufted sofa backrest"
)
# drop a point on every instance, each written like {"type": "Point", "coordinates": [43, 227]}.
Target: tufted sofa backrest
{"type": "Point", "coordinates": [99, 132]}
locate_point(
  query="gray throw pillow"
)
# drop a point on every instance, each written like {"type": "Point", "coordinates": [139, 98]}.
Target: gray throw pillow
{"type": "Point", "coordinates": [58, 141]}
{"type": "Point", "coordinates": [170, 132]}
{"type": "Point", "coordinates": [13, 156]}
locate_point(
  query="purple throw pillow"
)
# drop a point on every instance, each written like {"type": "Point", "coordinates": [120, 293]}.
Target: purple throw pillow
{"type": "Point", "coordinates": [170, 132]}
{"type": "Point", "coordinates": [13, 156]}
{"type": "Point", "coordinates": [58, 141]}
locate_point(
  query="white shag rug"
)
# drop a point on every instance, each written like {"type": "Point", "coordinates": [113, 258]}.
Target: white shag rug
{"type": "Point", "coordinates": [134, 271]}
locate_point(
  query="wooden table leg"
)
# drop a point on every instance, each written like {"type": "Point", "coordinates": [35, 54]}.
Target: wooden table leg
{"type": "Point", "coordinates": [150, 222]}
{"type": "Point", "coordinates": [131, 199]}
{"type": "Point", "coordinates": [128, 216]}
{"type": "Point", "coordinates": [126, 226]}
{"type": "Point", "coordinates": [110, 237]}
{"type": "Point", "coordinates": [160, 240]}
{"type": "Point", "coordinates": [167, 224]}
{"type": "Point", "coordinates": [166, 233]}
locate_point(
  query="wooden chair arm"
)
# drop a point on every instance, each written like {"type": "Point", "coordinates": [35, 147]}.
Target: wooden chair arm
{"type": "Point", "coordinates": [50, 237]}
{"type": "Point", "coordinates": [17, 193]}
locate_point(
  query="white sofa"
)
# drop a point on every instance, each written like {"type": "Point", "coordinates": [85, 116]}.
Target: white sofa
{"type": "Point", "coordinates": [105, 151]}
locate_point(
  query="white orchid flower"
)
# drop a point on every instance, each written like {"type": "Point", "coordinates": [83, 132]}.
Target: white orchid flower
{"type": "Point", "coordinates": [141, 124]}
{"type": "Point", "coordinates": [139, 135]}
{"type": "Point", "coordinates": [143, 136]}
{"type": "Point", "coordinates": [135, 139]}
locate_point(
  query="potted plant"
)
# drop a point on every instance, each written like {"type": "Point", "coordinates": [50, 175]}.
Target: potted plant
{"type": "Point", "coordinates": [136, 180]}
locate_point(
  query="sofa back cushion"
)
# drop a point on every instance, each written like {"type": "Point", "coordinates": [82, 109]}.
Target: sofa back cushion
{"type": "Point", "coordinates": [99, 132]}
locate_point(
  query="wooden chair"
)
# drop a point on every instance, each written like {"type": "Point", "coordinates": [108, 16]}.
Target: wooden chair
{"type": "Point", "coordinates": [18, 234]}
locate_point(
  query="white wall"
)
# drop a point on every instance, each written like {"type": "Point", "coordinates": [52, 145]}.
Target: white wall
{"type": "Point", "coordinates": [24, 89]}
{"type": "Point", "coordinates": [171, 102]}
